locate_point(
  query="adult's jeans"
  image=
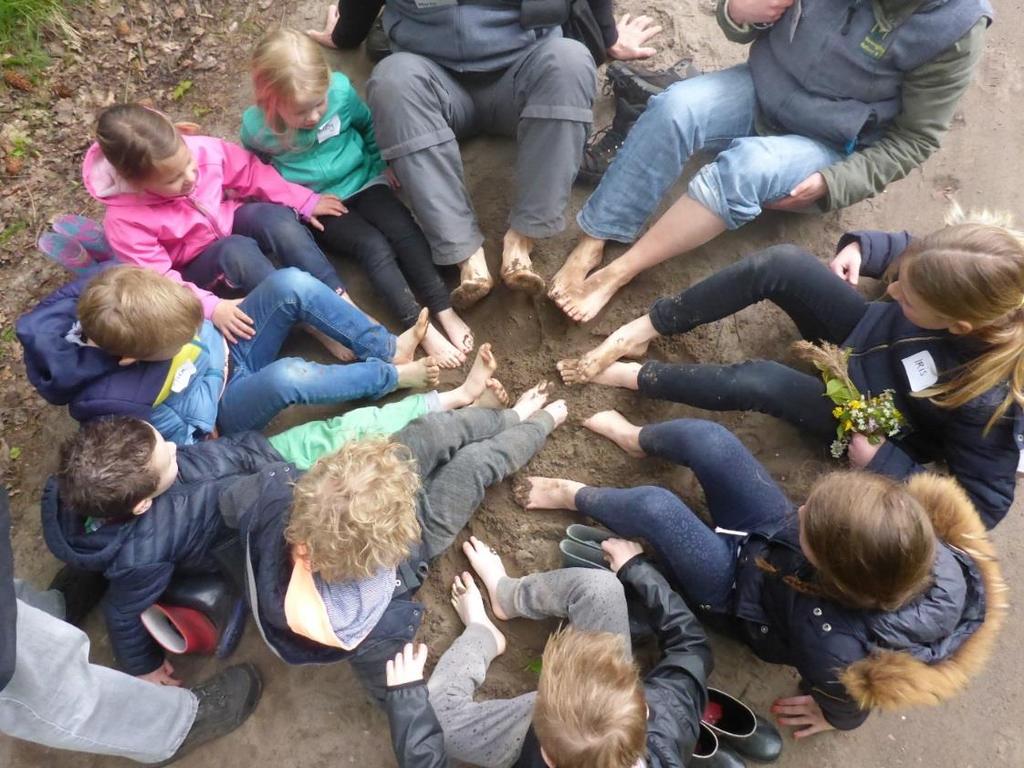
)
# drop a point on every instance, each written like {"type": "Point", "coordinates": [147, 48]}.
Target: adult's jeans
{"type": "Point", "coordinates": [716, 111]}
{"type": "Point", "coordinates": [822, 306]}
{"type": "Point", "coordinates": [741, 496]}
{"type": "Point", "coordinates": [58, 699]}
{"type": "Point", "coordinates": [260, 385]}
{"type": "Point", "coordinates": [264, 236]}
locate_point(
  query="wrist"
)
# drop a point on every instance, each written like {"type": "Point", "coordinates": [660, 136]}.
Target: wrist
{"type": "Point", "coordinates": [738, 26]}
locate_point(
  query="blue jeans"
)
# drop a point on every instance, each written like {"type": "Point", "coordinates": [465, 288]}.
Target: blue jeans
{"type": "Point", "coordinates": [712, 112]}
{"type": "Point", "coordinates": [741, 496]}
{"type": "Point", "coordinates": [261, 386]}
{"type": "Point", "coordinates": [264, 236]}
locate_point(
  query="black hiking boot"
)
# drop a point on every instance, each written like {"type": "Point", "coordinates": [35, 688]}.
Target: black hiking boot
{"type": "Point", "coordinates": [378, 46]}
{"type": "Point", "coordinates": [637, 84]}
{"type": "Point", "coordinates": [601, 148]}
{"type": "Point", "coordinates": [82, 590]}
{"type": "Point", "coordinates": [225, 702]}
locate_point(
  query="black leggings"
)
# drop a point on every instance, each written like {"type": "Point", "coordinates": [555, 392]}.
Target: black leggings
{"type": "Point", "coordinates": [823, 307]}
{"type": "Point", "coordinates": [382, 234]}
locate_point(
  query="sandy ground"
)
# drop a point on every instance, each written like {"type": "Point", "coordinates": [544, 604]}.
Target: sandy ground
{"type": "Point", "coordinates": [320, 717]}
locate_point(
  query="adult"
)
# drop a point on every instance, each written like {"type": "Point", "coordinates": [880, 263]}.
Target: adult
{"type": "Point", "coordinates": [465, 67]}
{"type": "Point", "coordinates": [837, 100]}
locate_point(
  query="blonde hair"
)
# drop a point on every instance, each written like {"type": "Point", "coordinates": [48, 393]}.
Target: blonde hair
{"type": "Point", "coordinates": [134, 138]}
{"type": "Point", "coordinates": [286, 66]}
{"type": "Point", "coordinates": [972, 270]}
{"type": "Point", "coordinates": [134, 312]}
{"type": "Point", "coordinates": [355, 510]}
{"type": "Point", "coordinates": [590, 710]}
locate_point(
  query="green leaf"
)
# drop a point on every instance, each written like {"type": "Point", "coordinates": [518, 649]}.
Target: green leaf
{"type": "Point", "coordinates": [15, 453]}
{"type": "Point", "coordinates": [180, 90]}
{"type": "Point", "coordinates": [534, 666]}
{"type": "Point", "coordinates": [837, 391]}
{"type": "Point", "coordinates": [7, 334]}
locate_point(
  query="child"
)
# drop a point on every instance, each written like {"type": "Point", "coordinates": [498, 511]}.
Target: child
{"type": "Point", "coordinates": [591, 707]}
{"type": "Point", "coordinates": [130, 341]}
{"type": "Point", "coordinates": [951, 346]}
{"type": "Point", "coordinates": [316, 131]}
{"type": "Point", "coordinates": [335, 557]}
{"type": "Point", "coordinates": [881, 595]}
{"type": "Point", "coordinates": [129, 504]}
{"type": "Point", "coordinates": [176, 205]}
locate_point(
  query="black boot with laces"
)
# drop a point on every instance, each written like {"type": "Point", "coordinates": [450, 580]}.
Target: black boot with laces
{"type": "Point", "coordinates": [600, 150]}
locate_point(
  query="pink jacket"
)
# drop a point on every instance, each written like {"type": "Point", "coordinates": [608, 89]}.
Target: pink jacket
{"type": "Point", "coordinates": [166, 233]}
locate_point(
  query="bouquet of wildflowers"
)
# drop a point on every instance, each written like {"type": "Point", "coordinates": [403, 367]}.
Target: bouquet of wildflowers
{"type": "Point", "coordinates": [876, 417]}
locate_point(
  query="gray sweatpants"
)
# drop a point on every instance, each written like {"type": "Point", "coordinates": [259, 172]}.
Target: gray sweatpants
{"type": "Point", "coordinates": [490, 733]}
{"type": "Point", "coordinates": [421, 110]}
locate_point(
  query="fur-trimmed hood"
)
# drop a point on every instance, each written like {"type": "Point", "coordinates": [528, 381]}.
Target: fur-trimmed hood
{"type": "Point", "coordinates": [895, 679]}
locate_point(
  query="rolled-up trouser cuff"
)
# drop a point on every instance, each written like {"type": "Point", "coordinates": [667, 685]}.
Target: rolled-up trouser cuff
{"type": "Point", "coordinates": [706, 188]}
{"type": "Point", "coordinates": [557, 112]}
{"type": "Point", "coordinates": [606, 232]}
{"type": "Point", "coordinates": [417, 143]}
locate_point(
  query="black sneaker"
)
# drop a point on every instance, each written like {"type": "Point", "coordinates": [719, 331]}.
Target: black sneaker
{"type": "Point", "coordinates": [637, 84]}
{"type": "Point", "coordinates": [600, 150]}
{"type": "Point", "coordinates": [378, 46]}
{"type": "Point", "coordinates": [225, 702]}
{"type": "Point", "coordinates": [82, 590]}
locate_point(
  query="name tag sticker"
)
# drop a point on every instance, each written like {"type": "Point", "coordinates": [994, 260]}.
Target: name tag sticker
{"type": "Point", "coordinates": [183, 376]}
{"type": "Point", "coordinates": [921, 370]}
{"type": "Point", "coordinates": [328, 130]}
{"type": "Point", "coordinates": [434, 3]}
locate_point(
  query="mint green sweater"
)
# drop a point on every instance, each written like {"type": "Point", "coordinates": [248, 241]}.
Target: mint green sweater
{"type": "Point", "coordinates": [338, 157]}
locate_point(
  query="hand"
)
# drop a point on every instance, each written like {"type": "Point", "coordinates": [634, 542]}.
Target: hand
{"type": "Point", "coordinates": [801, 710]}
{"type": "Point", "coordinates": [861, 451]}
{"type": "Point", "coordinates": [231, 321]}
{"type": "Point", "coordinates": [757, 11]}
{"type": "Point", "coordinates": [162, 675]}
{"type": "Point", "coordinates": [633, 33]}
{"type": "Point", "coordinates": [327, 205]}
{"type": "Point", "coordinates": [407, 666]}
{"type": "Point", "coordinates": [846, 264]}
{"type": "Point", "coordinates": [802, 195]}
{"type": "Point", "coordinates": [618, 552]}
{"type": "Point", "coordinates": [393, 181]}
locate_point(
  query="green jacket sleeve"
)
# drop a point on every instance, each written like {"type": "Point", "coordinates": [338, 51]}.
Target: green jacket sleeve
{"type": "Point", "coordinates": [304, 444]}
{"type": "Point", "coordinates": [734, 32]}
{"type": "Point", "coordinates": [362, 121]}
{"type": "Point", "coordinates": [930, 95]}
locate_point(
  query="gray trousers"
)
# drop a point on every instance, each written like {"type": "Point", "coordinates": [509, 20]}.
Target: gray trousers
{"type": "Point", "coordinates": [58, 699]}
{"type": "Point", "coordinates": [490, 733]}
{"type": "Point", "coordinates": [421, 110]}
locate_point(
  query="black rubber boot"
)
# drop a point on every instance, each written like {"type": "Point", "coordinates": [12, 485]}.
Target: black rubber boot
{"type": "Point", "coordinates": [225, 702]}
{"type": "Point", "coordinates": [82, 590]}
{"type": "Point", "coordinates": [378, 46]}
{"type": "Point", "coordinates": [637, 84]}
{"type": "Point", "coordinates": [600, 150]}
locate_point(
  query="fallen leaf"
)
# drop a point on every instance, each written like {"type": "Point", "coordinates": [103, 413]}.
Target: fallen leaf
{"type": "Point", "coordinates": [121, 29]}
{"type": "Point", "coordinates": [180, 90]}
{"type": "Point", "coordinates": [13, 165]}
{"type": "Point", "coordinates": [18, 80]}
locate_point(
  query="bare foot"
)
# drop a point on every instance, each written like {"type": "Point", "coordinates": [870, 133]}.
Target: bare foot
{"type": "Point", "coordinates": [469, 604]}
{"type": "Point", "coordinates": [621, 375]}
{"type": "Point", "coordinates": [475, 281]}
{"type": "Point", "coordinates": [460, 334]}
{"type": "Point", "coordinates": [494, 396]}
{"type": "Point", "coordinates": [439, 348]}
{"type": "Point", "coordinates": [618, 429]}
{"type": "Point", "coordinates": [516, 267]}
{"type": "Point", "coordinates": [488, 566]}
{"type": "Point", "coordinates": [405, 348]}
{"type": "Point", "coordinates": [631, 340]}
{"type": "Point", "coordinates": [547, 493]}
{"type": "Point", "coordinates": [476, 382]}
{"type": "Point", "coordinates": [597, 290]}
{"type": "Point", "coordinates": [336, 348]}
{"type": "Point", "coordinates": [323, 36]}
{"type": "Point", "coordinates": [419, 374]}
{"type": "Point", "coordinates": [531, 401]}
{"type": "Point", "coordinates": [558, 411]}
{"type": "Point", "coordinates": [569, 279]}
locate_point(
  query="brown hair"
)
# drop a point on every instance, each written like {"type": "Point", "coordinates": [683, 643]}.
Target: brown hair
{"type": "Point", "coordinates": [973, 271]}
{"type": "Point", "coordinates": [590, 710]}
{"type": "Point", "coordinates": [286, 66]}
{"type": "Point", "coordinates": [135, 312]}
{"type": "Point", "coordinates": [134, 138]}
{"type": "Point", "coordinates": [355, 510]}
{"type": "Point", "coordinates": [872, 542]}
{"type": "Point", "coordinates": [105, 467]}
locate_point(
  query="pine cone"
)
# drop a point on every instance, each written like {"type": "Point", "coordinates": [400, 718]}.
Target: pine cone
{"type": "Point", "coordinates": [18, 80]}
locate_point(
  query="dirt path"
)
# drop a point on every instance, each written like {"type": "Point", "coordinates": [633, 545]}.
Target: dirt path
{"type": "Point", "coordinates": [320, 717]}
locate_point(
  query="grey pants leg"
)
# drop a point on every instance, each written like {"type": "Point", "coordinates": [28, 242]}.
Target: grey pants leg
{"type": "Point", "coordinates": [491, 733]}
{"type": "Point", "coordinates": [419, 112]}
{"type": "Point", "coordinates": [455, 489]}
{"type": "Point", "coordinates": [58, 699]}
{"type": "Point", "coordinates": [435, 438]}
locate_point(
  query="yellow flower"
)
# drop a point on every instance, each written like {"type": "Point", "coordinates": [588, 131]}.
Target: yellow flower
{"type": "Point", "coordinates": [848, 424]}
{"type": "Point", "coordinates": [855, 404]}
{"type": "Point", "coordinates": [837, 412]}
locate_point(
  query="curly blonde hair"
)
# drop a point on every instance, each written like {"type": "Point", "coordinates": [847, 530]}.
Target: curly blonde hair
{"type": "Point", "coordinates": [355, 510]}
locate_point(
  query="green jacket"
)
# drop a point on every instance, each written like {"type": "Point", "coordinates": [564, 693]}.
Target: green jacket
{"type": "Point", "coordinates": [338, 157]}
{"type": "Point", "coordinates": [930, 94]}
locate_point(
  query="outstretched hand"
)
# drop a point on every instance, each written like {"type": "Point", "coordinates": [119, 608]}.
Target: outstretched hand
{"type": "Point", "coordinates": [805, 193]}
{"type": "Point", "coordinates": [633, 34]}
{"type": "Point", "coordinates": [407, 666]}
{"type": "Point", "coordinates": [803, 712]}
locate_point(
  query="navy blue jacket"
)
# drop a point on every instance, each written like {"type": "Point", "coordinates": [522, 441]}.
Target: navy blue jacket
{"type": "Point", "coordinates": [176, 533]}
{"type": "Point", "coordinates": [984, 464]}
{"type": "Point", "coordinates": [8, 601]}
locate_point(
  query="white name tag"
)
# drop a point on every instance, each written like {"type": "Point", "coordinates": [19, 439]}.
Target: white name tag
{"type": "Point", "coordinates": [434, 3]}
{"type": "Point", "coordinates": [183, 376]}
{"type": "Point", "coordinates": [328, 130]}
{"type": "Point", "coordinates": [921, 370]}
